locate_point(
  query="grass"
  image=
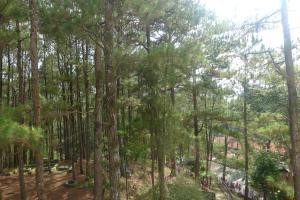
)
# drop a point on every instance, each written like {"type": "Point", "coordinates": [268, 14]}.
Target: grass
{"type": "Point", "coordinates": [182, 189]}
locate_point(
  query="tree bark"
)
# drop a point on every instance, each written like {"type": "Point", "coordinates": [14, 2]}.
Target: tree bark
{"type": "Point", "coordinates": [1, 74]}
{"type": "Point", "coordinates": [173, 151]}
{"type": "Point", "coordinates": [152, 145]}
{"type": "Point", "coordinates": [196, 127]}
{"type": "Point", "coordinates": [98, 173]}
{"type": "Point", "coordinates": [35, 96]}
{"type": "Point", "coordinates": [64, 97]}
{"type": "Point", "coordinates": [23, 194]}
{"type": "Point", "coordinates": [292, 99]}
{"type": "Point", "coordinates": [87, 107]}
{"type": "Point", "coordinates": [1, 64]}
{"type": "Point", "coordinates": [79, 109]}
{"type": "Point", "coordinates": [160, 157]}
{"type": "Point", "coordinates": [72, 122]}
{"type": "Point", "coordinates": [245, 122]}
{"type": "Point", "coordinates": [110, 81]}
{"type": "Point", "coordinates": [161, 167]}
{"type": "Point", "coordinates": [225, 157]}
{"type": "Point", "coordinates": [8, 77]}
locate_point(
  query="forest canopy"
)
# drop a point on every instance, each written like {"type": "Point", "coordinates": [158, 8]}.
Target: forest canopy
{"type": "Point", "coordinates": [135, 99]}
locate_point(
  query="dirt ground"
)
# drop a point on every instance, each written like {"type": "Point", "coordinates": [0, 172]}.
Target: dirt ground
{"type": "Point", "coordinates": [54, 185]}
{"type": "Point", "coordinates": [139, 181]}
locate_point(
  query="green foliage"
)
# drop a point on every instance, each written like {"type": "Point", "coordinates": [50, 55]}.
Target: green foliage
{"type": "Point", "coordinates": [183, 189]}
{"type": "Point", "coordinates": [11, 132]}
{"type": "Point", "coordinates": [271, 126]}
{"type": "Point", "coordinates": [266, 172]}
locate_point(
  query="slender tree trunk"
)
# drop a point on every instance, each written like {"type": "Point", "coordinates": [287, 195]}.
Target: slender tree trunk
{"type": "Point", "coordinates": [160, 133]}
{"type": "Point", "coordinates": [2, 154]}
{"type": "Point", "coordinates": [245, 121]}
{"type": "Point", "coordinates": [23, 194]}
{"type": "Point", "coordinates": [1, 75]}
{"type": "Point", "coordinates": [127, 138]}
{"type": "Point", "coordinates": [207, 148]}
{"type": "Point", "coordinates": [48, 131]}
{"type": "Point", "coordinates": [211, 142]}
{"type": "Point", "coordinates": [292, 99]}
{"type": "Point", "coordinates": [65, 127]}
{"type": "Point", "coordinates": [87, 107]}
{"type": "Point", "coordinates": [79, 110]}
{"type": "Point", "coordinates": [1, 64]}
{"type": "Point", "coordinates": [98, 173]}
{"type": "Point", "coordinates": [35, 96]}
{"type": "Point", "coordinates": [120, 126]}
{"type": "Point", "coordinates": [206, 136]}
{"type": "Point", "coordinates": [59, 134]}
{"type": "Point", "coordinates": [152, 145]}
{"type": "Point", "coordinates": [161, 167]}
{"type": "Point", "coordinates": [173, 151]}
{"type": "Point", "coordinates": [11, 156]}
{"type": "Point", "coordinates": [225, 157]}
{"type": "Point", "coordinates": [72, 121]}
{"type": "Point", "coordinates": [181, 153]}
{"type": "Point", "coordinates": [65, 116]}
{"type": "Point", "coordinates": [110, 80]}
{"type": "Point", "coordinates": [196, 128]}
{"type": "Point", "coordinates": [8, 77]}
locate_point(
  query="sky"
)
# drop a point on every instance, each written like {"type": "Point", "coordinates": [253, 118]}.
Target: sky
{"type": "Point", "coordinates": [240, 10]}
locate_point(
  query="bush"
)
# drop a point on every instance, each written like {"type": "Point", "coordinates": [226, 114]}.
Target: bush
{"type": "Point", "coordinates": [266, 173]}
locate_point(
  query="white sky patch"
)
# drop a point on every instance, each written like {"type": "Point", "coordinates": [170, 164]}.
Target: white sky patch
{"type": "Point", "coordinates": [241, 10]}
{"type": "Point", "coordinates": [238, 11]}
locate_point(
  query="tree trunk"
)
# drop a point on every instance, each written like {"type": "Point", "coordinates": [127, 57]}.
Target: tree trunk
{"type": "Point", "coordinates": [47, 131]}
{"type": "Point", "coordinates": [65, 117]}
{"type": "Point", "coordinates": [35, 96]}
{"type": "Point", "coordinates": [110, 80]}
{"type": "Point", "coordinates": [8, 77]}
{"type": "Point", "coordinates": [292, 99]}
{"type": "Point", "coordinates": [87, 107]}
{"type": "Point", "coordinates": [207, 148]}
{"type": "Point", "coordinates": [225, 157]}
{"type": "Point", "coordinates": [79, 109]}
{"type": "Point", "coordinates": [23, 194]}
{"type": "Point", "coordinates": [173, 151]}
{"type": "Point", "coordinates": [245, 121]}
{"type": "Point", "coordinates": [206, 136]}
{"type": "Point", "coordinates": [196, 128]}
{"type": "Point", "coordinates": [1, 64]}
{"type": "Point", "coordinates": [21, 102]}
{"type": "Point", "coordinates": [161, 167]}
{"type": "Point", "coordinates": [120, 125]}
{"type": "Point", "coordinates": [152, 145]}
{"type": "Point", "coordinates": [98, 174]}
{"type": "Point", "coordinates": [72, 123]}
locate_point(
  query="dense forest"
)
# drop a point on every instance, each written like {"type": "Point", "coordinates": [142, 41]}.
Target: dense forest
{"type": "Point", "coordinates": [137, 99]}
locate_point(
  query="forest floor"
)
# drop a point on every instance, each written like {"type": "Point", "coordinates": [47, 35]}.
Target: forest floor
{"type": "Point", "coordinates": [54, 185]}
{"type": "Point", "coordinates": [138, 184]}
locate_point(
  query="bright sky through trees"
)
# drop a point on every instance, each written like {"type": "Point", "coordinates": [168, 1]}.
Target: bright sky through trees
{"type": "Point", "coordinates": [241, 10]}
